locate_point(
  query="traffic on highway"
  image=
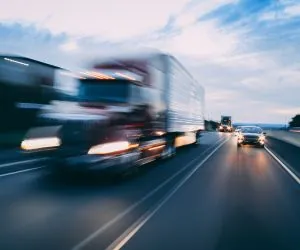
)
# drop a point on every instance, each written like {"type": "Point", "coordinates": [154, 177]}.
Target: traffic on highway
{"type": "Point", "coordinates": [146, 149]}
{"type": "Point", "coordinates": [128, 111]}
{"type": "Point", "coordinates": [126, 164]}
{"type": "Point", "coordinates": [215, 196]}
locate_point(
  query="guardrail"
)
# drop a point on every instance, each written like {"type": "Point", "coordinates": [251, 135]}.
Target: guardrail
{"type": "Point", "coordinates": [286, 146]}
{"type": "Point", "coordinates": [287, 152]}
{"type": "Point", "coordinates": [286, 136]}
{"type": "Point", "coordinates": [295, 129]}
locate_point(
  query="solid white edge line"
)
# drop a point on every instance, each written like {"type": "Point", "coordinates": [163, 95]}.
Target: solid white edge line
{"type": "Point", "coordinates": [290, 172]}
{"type": "Point", "coordinates": [9, 164]}
{"type": "Point", "coordinates": [120, 216]}
{"type": "Point", "coordinates": [130, 232]}
{"type": "Point", "coordinates": [21, 171]}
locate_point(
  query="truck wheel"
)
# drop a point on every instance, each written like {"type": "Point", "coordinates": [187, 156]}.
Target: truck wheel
{"type": "Point", "coordinates": [169, 150]}
{"type": "Point", "coordinates": [132, 168]}
{"type": "Point", "coordinates": [197, 142]}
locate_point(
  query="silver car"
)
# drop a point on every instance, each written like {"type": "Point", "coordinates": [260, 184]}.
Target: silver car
{"type": "Point", "coordinates": [251, 135]}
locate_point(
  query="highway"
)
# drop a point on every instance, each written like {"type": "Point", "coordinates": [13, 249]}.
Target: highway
{"type": "Point", "coordinates": [214, 196]}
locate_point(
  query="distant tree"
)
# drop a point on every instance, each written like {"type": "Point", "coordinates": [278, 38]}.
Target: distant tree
{"type": "Point", "coordinates": [295, 122]}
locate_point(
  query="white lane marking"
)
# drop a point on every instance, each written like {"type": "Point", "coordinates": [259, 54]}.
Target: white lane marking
{"type": "Point", "coordinates": [9, 164]}
{"type": "Point", "coordinates": [130, 232]}
{"type": "Point", "coordinates": [120, 216]}
{"type": "Point", "coordinates": [290, 172]}
{"type": "Point", "coordinates": [21, 171]}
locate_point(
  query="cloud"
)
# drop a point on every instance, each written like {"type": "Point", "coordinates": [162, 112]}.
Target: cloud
{"type": "Point", "coordinates": [62, 50]}
{"type": "Point", "coordinates": [110, 20]}
{"type": "Point", "coordinates": [196, 9]}
{"type": "Point", "coordinates": [238, 12]}
{"type": "Point", "coordinates": [30, 41]}
{"type": "Point", "coordinates": [290, 111]}
{"type": "Point", "coordinates": [249, 86]}
{"type": "Point", "coordinates": [253, 61]}
{"type": "Point", "coordinates": [69, 46]}
{"type": "Point", "coordinates": [293, 10]}
{"type": "Point", "coordinates": [203, 39]}
{"type": "Point", "coordinates": [247, 62]}
{"type": "Point", "coordinates": [282, 10]}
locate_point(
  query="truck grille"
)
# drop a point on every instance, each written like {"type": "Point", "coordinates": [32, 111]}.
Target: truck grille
{"type": "Point", "coordinates": [68, 151]}
{"type": "Point", "coordinates": [76, 134]}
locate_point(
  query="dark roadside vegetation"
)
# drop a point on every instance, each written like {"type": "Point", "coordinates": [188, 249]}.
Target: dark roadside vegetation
{"type": "Point", "coordinates": [295, 121]}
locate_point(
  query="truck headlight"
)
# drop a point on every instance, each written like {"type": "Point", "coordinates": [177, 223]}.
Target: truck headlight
{"type": "Point", "coordinates": [40, 143]}
{"type": "Point", "coordinates": [111, 147]}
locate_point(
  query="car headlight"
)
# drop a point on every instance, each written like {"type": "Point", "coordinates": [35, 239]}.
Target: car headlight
{"type": "Point", "coordinates": [241, 137]}
{"type": "Point", "coordinates": [111, 147]}
{"type": "Point", "coordinates": [40, 143]}
{"type": "Point", "coordinates": [262, 138]}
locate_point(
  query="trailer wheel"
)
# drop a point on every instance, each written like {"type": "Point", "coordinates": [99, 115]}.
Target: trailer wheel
{"type": "Point", "coordinates": [197, 142]}
{"type": "Point", "coordinates": [169, 150]}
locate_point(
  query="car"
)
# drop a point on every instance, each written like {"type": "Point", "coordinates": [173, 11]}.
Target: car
{"type": "Point", "coordinates": [251, 135]}
{"type": "Point", "coordinates": [225, 128]}
{"type": "Point", "coordinates": [237, 131]}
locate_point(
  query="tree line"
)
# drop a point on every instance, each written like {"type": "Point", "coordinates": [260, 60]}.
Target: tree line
{"type": "Point", "coordinates": [295, 121]}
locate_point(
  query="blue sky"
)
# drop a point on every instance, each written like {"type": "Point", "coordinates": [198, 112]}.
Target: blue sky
{"type": "Point", "coordinates": [244, 52]}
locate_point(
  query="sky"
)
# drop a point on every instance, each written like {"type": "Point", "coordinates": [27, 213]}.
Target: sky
{"type": "Point", "coordinates": [244, 52]}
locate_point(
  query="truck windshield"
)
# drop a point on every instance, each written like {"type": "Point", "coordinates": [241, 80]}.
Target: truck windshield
{"type": "Point", "coordinates": [103, 91]}
{"type": "Point", "coordinates": [226, 121]}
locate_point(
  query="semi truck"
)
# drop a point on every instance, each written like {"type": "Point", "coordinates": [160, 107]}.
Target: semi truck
{"type": "Point", "coordinates": [225, 124]}
{"type": "Point", "coordinates": [128, 111]}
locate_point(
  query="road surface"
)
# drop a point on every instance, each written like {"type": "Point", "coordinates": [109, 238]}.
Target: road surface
{"type": "Point", "coordinates": [215, 196]}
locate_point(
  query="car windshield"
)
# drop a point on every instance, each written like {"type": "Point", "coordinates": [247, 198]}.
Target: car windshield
{"type": "Point", "coordinates": [253, 130]}
{"type": "Point", "coordinates": [104, 91]}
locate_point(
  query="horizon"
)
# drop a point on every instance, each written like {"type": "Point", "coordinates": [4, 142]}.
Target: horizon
{"type": "Point", "coordinates": [253, 123]}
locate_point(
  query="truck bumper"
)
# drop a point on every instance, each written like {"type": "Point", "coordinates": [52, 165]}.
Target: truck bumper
{"type": "Point", "coordinates": [97, 163]}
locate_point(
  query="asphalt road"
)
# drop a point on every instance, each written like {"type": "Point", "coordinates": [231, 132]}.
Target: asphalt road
{"type": "Point", "coordinates": [214, 196]}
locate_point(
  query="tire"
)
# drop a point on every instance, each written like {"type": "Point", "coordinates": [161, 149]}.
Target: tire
{"type": "Point", "coordinates": [169, 150]}
{"type": "Point", "coordinates": [131, 169]}
{"type": "Point", "coordinates": [198, 140]}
